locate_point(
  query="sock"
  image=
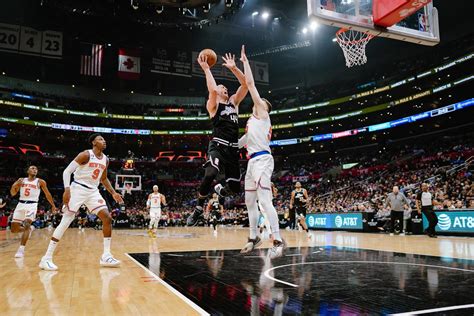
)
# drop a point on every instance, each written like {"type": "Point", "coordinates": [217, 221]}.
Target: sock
{"type": "Point", "coordinates": [22, 248]}
{"type": "Point", "coordinates": [51, 248]}
{"type": "Point", "coordinates": [107, 241]}
{"type": "Point", "coordinates": [252, 207]}
{"type": "Point", "coordinates": [265, 199]}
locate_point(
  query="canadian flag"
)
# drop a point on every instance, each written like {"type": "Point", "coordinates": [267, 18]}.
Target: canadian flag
{"type": "Point", "coordinates": [129, 64]}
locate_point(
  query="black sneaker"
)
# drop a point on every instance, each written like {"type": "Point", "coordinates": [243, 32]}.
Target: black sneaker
{"type": "Point", "coordinates": [432, 236]}
{"type": "Point", "coordinates": [194, 218]}
{"type": "Point", "coordinates": [251, 245]}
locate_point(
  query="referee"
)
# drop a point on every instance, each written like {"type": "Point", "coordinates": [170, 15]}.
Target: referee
{"type": "Point", "coordinates": [396, 201]}
{"type": "Point", "coordinates": [424, 203]}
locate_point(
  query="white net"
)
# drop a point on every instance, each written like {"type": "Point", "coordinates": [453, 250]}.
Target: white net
{"type": "Point", "coordinates": [353, 45]}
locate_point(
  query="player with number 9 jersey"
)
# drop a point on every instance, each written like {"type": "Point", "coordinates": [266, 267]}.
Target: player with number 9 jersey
{"type": "Point", "coordinates": [90, 170]}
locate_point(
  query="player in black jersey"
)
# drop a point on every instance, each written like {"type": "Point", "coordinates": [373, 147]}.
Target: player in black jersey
{"type": "Point", "coordinates": [298, 201]}
{"type": "Point", "coordinates": [215, 209]}
{"type": "Point", "coordinates": [223, 152]}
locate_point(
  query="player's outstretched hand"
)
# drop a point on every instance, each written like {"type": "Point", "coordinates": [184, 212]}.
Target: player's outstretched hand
{"type": "Point", "coordinates": [229, 61]}
{"type": "Point", "coordinates": [118, 198]}
{"type": "Point", "coordinates": [202, 60]}
{"type": "Point", "coordinates": [243, 56]}
{"type": "Point", "coordinates": [54, 209]}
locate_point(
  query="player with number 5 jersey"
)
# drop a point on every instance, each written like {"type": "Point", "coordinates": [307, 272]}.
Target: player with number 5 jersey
{"type": "Point", "coordinates": [25, 211]}
{"type": "Point", "coordinates": [90, 170]}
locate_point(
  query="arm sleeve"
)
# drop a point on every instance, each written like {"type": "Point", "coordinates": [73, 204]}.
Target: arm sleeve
{"type": "Point", "coordinates": [67, 173]}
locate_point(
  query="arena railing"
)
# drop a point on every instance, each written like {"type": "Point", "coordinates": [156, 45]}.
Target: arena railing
{"type": "Point", "coordinates": [321, 120]}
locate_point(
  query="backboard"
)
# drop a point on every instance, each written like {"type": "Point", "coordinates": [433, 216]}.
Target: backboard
{"type": "Point", "coordinates": [420, 26]}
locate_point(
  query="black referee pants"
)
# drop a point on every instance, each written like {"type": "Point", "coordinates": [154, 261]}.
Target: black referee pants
{"type": "Point", "coordinates": [432, 219]}
{"type": "Point", "coordinates": [394, 217]}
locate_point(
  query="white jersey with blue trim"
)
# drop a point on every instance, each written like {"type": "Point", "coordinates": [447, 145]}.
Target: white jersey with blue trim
{"type": "Point", "coordinates": [258, 135]}
{"type": "Point", "coordinates": [90, 173]}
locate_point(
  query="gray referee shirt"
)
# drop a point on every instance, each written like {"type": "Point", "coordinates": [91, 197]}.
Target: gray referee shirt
{"type": "Point", "coordinates": [396, 201]}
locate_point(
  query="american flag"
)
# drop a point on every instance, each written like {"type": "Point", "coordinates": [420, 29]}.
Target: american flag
{"type": "Point", "coordinates": [91, 59]}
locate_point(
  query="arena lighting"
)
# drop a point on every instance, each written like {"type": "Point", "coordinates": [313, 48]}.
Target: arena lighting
{"type": "Point", "coordinates": [171, 110]}
{"type": "Point", "coordinates": [265, 15]}
{"type": "Point", "coordinates": [73, 86]}
{"type": "Point", "coordinates": [255, 13]}
{"type": "Point", "coordinates": [37, 80]}
{"type": "Point", "coordinates": [304, 30]}
{"type": "Point", "coordinates": [134, 4]}
{"type": "Point", "coordinates": [313, 26]}
{"type": "Point", "coordinates": [108, 45]}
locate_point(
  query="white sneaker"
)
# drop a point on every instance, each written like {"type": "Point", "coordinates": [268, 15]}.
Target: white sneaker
{"type": "Point", "coordinates": [109, 261]}
{"type": "Point", "coordinates": [251, 245]}
{"type": "Point", "coordinates": [277, 250]}
{"type": "Point", "coordinates": [310, 236]}
{"type": "Point", "coordinates": [47, 264]}
{"type": "Point", "coordinates": [215, 233]}
{"type": "Point", "coordinates": [20, 253]}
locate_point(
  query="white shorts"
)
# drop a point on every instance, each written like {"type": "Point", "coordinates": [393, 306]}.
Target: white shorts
{"type": "Point", "coordinates": [259, 173]}
{"type": "Point", "coordinates": [155, 213]}
{"type": "Point", "coordinates": [25, 211]}
{"type": "Point", "coordinates": [91, 198]}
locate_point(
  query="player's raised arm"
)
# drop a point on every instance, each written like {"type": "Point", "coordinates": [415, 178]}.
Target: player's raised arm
{"type": "Point", "coordinates": [48, 195]}
{"type": "Point", "coordinates": [229, 63]}
{"type": "Point", "coordinates": [211, 85]}
{"type": "Point", "coordinates": [16, 187]}
{"type": "Point", "coordinates": [108, 186]}
{"type": "Point", "coordinates": [260, 104]}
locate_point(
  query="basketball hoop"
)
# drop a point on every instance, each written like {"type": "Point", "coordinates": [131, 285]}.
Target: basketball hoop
{"type": "Point", "coordinates": [353, 45]}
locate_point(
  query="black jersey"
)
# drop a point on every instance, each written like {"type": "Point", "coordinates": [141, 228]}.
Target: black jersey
{"type": "Point", "coordinates": [215, 206]}
{"type": "Point", "coordinates": [225, 124]}
{"type": "Point", "coordinates": [299, 196]}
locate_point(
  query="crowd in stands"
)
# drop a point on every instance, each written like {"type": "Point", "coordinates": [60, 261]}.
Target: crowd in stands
{"type": "Point", "coordinates": [362, 188]}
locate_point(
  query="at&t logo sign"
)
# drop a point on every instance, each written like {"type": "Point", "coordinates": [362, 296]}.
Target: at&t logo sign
{"type": "Point", "coordinates": [338, 221]}
{"type": "Point", "coordinates": [455, 222]}
{"type": "Point", "coordinates": [444, 222]}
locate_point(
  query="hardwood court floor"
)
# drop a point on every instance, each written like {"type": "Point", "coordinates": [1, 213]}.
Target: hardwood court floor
{"type": "Point", "coordinates": [81, 287]}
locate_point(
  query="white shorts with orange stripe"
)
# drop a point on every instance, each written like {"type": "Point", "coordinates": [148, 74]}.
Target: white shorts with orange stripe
{"type": "Point", "coordinates": [90, 197]}
{"type": "Point", "coordinates": [25, 211]}
{"type": "Point", "coordinates": [259, 173]}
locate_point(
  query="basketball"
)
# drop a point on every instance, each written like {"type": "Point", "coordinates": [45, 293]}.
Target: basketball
{"type": "Point", "coordinates": [211, 56]}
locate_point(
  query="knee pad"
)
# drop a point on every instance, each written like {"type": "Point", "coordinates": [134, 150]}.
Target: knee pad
{"type": "Point", "coordinates": [67, 219]}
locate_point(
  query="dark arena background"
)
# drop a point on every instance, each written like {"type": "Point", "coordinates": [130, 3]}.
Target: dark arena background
{"type": "Point", "coordinates": [374, 123]}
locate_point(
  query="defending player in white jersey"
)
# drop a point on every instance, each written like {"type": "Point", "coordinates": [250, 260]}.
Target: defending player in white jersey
{"type": "Point", "coordinates": [153, 204]}
{"type": "Point", "coordinates": [259, 168]}
{"type": "Point", "coordinates": [25, 211]}
{"type": "Point", "coordinates": [90, 170]}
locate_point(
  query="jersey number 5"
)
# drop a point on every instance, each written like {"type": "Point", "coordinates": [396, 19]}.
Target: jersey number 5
{"type": "Point", "coordinates": [95, 174]}
{"type": "Point", "coordinates": [27, 192]}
